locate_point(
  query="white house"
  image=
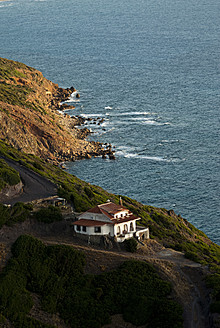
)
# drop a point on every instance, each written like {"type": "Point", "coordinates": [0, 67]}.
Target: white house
{"type": "Point", "coordinates": [112, 220]}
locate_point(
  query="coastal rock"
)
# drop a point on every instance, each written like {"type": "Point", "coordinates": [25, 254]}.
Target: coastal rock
{"type": "Point", "coordinates": [112, 156]}
{"type": "Point", "coordinates": [34, 125]}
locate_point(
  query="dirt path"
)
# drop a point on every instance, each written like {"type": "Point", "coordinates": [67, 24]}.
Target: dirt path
{"type": "Point", "coordinates": [35, 186]}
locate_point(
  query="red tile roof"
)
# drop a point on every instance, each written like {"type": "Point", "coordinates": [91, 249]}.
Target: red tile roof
{"type": "Point", "coordinates": [125, 219]}
{"type": "Point", "coordinates": [109, 209]}
{"type": "Point", "coordinates": [90, 223]}
{"type": "Point", "coordinates": [95, 210]}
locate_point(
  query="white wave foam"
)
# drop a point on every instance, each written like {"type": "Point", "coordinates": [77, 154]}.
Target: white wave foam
{"type": "Point", "coordinates": [108, 107]}
{"type": "Point", "coordinates": [72, 97]}
{"type": "Point", "coordinates": [104, 124]}
{"type": "Point", "coordinates": [71, 100]}
{"type": "Point", "coordinates": [140, 119]}
{"type": "Point", "coordinates": [169, 141]}
{"type": "Point", "coordinates": [126, 152]}
{"type": "Point", "coordinates": [130, 113]}
{"type": "Point", "coordinates": [92, 115]}
{"type": "Point", "coordinates": [153, 122]}
{"type": "Point", "coordinates": [153, 158]}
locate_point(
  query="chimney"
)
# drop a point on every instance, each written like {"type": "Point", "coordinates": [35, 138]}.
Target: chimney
{"type": "Point", "coordinates": [120, 201]}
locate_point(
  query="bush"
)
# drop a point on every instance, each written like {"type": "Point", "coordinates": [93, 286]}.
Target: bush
{"type": "Point", "coordinates": [192, 256]}
{"type": "Point", "coordinates": [49, 214]}
{"type": "Point", "coordinates": [55, 273]}
{"type": "Point", "coordinates": [215, 307]}
{"type": "Point", "coordinates": [80, 202]}
{"type": "Point", "coordinates": [18, 213]}
{"type": "Point", "coordinates": [131, 245]}
{"type": "Point", "coordinates": [8, 176]}
{"type": "Point", "coordinates": [88, 192]}
{"type": "Point", "coordinates": [38, 166]}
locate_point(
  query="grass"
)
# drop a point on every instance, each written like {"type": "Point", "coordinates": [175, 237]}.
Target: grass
{"type": "Point", "coordinates": [8, 175]}
{"type": "Point", "coordinates": [10, 68]}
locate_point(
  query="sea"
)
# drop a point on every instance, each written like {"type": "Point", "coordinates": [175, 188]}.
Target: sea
{"type": "Point", "coordinates": [150, 70]}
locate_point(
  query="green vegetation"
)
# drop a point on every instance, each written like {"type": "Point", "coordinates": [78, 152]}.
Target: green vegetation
{"type": "Point", "coordinates": [169, 229]}
{"type": "Point", "coordinates": [213, 281]}
{"type": "Point", "coordinates": [131, 245]}
{"type": "Point", "coordinates": [55, 273]}
{"type": "Point", "coordinates": [49, 214]}
{"type": "Point", "coordinates": [11, 215]}
{"type": "Point", "coordinates": [81, 194]}
{"type": "Point", "coordinates": [9, 68]}
{"type": "Point", "coordinates": [15, 94]}
{"type": "Point", "coordinates": [85, 291]}
{"type": "Point", "coordinates": [8, 176]}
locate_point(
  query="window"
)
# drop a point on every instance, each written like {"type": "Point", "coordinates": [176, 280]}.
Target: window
{"type": "Point", "coordinates": [118, 231]}
{"type": "Point", "coordinates": [84, 229]}
{"type": "Point", "coordinates": [131, 227]}
{"type": "Point", "coordinates": [121, 215]}
{"type": "Point", "coordinates": [78, 228]}
{"type": "Point", "coordinates": [125, 228]}
{"type": "Point", "coordinates": [97, 229]}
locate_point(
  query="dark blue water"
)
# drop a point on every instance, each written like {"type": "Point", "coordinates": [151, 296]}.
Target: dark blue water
{"type": "Point", "coordinates": [151, 70]}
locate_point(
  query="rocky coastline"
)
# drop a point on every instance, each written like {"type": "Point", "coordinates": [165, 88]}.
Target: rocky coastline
{"type": "Point", "coordinates": [33, 118]}
{"type": "Point", "coordinates": [105, 150]}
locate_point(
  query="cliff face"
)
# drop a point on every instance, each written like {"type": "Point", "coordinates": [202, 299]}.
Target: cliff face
{"type": "Point", "coordinates": [30, 121]}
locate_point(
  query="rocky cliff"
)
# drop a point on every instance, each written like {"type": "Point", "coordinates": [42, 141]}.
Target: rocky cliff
{"type": "Point", "coordinates": [30, 120]}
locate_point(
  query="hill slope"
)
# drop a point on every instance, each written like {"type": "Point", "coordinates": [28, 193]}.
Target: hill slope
{"type": "Point", "coordinates": [29, 119]}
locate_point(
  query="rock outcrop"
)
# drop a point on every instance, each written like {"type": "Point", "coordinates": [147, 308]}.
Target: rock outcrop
{"type": "Point", "coordinates": [30, 120]}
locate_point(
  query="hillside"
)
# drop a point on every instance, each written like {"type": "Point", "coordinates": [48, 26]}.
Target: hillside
{"type": "Point", "coordinates": [167, 230]}
{"type": "Point", "coordinates": [165, 226]}
{"type": "Point", "coordinates": [34, 137]}
{"type": "Point", "coordinates": [29, 116]}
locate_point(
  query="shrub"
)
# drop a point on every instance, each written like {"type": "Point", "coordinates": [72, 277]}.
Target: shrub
{"type": "Point", "coordinates": [192, 256]}
{"type": "Point", "coordinates": [38, 166]}
{"type": "Point", "coordinates": [80, 202]}
{"type": "Point", "coordinates": [56, 274]}
{"type": "Point", "coordinates": [88, 192]}
{"type": "Point", "coordinates": [215, 307]}
{"type": "Point", "coordinates": [18, 213]}
{"type": "Point", "coordinates": [8, 175]}
{"type": "Point", "coordinates": [49, 214]}
{"type": "Point", "coordinates": [131, 245]}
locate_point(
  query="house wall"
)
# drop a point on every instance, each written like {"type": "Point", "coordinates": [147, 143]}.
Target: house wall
{"type": "Point", "coordinates": [105, 230]}
{"type": "Point", "coordinates": [121, 214]}
{"type": "Point", "coordinates": [143, 234]}
{"type": "Point", "coordinates": [122, 227]}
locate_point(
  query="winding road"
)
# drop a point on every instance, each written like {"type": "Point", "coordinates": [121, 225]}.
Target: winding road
{"type": "Point", "coordinates": [34, 185]}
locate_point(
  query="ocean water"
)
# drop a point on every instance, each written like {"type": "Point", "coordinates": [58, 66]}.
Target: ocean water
{"type": "Point", "coordinates": [150, 69]}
